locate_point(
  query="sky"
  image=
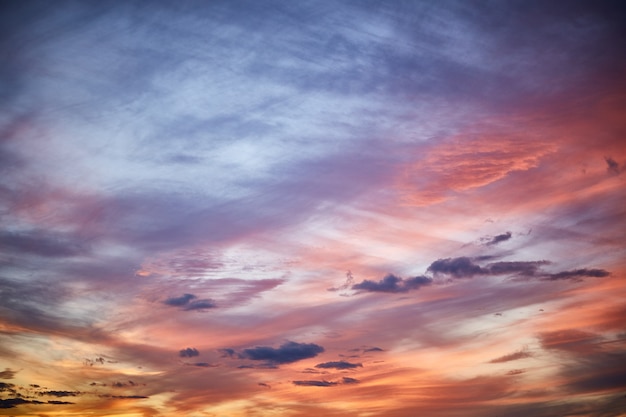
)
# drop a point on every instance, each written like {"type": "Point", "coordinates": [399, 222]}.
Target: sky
{"type": "Point", "coordinates": [304, 208]}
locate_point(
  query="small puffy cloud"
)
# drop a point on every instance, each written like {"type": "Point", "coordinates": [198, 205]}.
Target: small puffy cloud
{"type": "Point", "coordinates": [287, 353]}
{"type": "Point", "coordinates": [338, 365]}
{"type": "Point", "coordinates": [456, 267]}
{"type": "Point", "coordinates": [189, 302]}
{"type": "Point", "coordinates": [179, 301]}
{"type": "Point", "coordinates": [393, 284]}
{"type": "Point", "coordinates": [188, 353]}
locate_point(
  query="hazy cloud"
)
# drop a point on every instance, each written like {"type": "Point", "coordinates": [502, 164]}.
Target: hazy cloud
{"type": "Point", "coordinates": [613, 167]}
{"type": "Point", "coordinates": [521, 354]}
{"type": "Point", "coordinates": [8, 373]}
{"type": "Point", "coordinates": [571, 340]}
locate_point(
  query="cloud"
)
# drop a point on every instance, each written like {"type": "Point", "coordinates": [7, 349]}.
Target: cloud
{"type": "Point", "coordinates": [287, 353]}
{"type": "Point", "coordinates": [179, 301]}
{"type": "Point", "coordinates": [61, 393]}
{"type": "Point", "coordinates": [314, 383]}
{"type": "Point", "coordinates": [578, 273]}
{"type": "Point", "coordinates": [186, 301]}
{"type": "Point", "coordinates": [613, 167]}
{"type": "Point", "coordinates": [524, 268]}
{"type": "Point", "coordinates": [347, 380]}
{"type": "Point", "coordinates": [42, 243]}
{"type": "Point", "coordinates": [188, 353]}
{"type": "Point", "coordinates": [374, 349]}
{"type": "Point", "coordinates": [457, 267]}
{"type": "Point", "coordinates": [7, 373]}
{"type": "Point", "coordinates": [570, 340]}
{"type": "Point", "coordinates": [203, 365]}
{"type": "Point", "coordinates": [498, 239]}
{"type": "Point", "coordinates": [521, 354]}
{"type": "Point", "coordinates": [338, 365]}
{"type": "Point", "coordinates": [200, 305]}
{"type": "Point", "coordinates": [393, 284]}
{"type": "Point", "coordinates": [228, 353]}
{"type": "Point", "coordinates": [464, 267]}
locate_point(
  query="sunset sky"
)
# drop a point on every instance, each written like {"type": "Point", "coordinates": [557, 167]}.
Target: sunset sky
{"type": "Point", "coordinates": [313, 208]}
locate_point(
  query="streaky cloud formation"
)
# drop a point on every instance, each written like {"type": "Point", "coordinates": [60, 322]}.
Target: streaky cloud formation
{"type": "Point", "coordinates": [312, 208]}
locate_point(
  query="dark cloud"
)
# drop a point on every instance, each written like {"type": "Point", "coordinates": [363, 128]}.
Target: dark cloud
{"type": "Point", "coordinates": [287, 353]}
{"type": "Point", "coordinates": [203, 365]}
{"type": "Point", "coordinates": [374, 349]}
{"type": "Point", "coordinates": [338, 365]}
{"type": "Point", "coordinates": [393, 284]}
{"type": "Point", "coordinates": [189, 302]}
{"type": "Point", "coordinates": [596, 372]}
{"type": "Point", "coordinates": [347, 380]}
{"type": "Point", "coordinates": [200, 305]}
{"type": "Point", "coordinates": [578, 274]}
{"type": "Point", "coordinates": [314, 383]}
{"type": "Point", "coordinates": [188, 353]}
{"type": "Point", "coordinates": [521, 354]}
{"type": "Point", "coordinates": [14, 402]}
{"type": "Point", "coordinates": [464, 267]}
{"type": "Point", "coordinates": [456, 267]}
{"type": "Point", "coordinates": [124, 397]}
{"type": "Point", "coordinates": [6, 386]}
{"type": "Point", "coordinates": [61, 393]}
{"type": "Point", "coordinates": [8, 373]}
{"type": "Point", "coordinates": [179, 301]}
{"type": "Point", "coordinates": [498, 239]}
{"type": "Point", "coordinates": [523, 268]}
{"type": "Point", "coordinates": [613, 167]}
